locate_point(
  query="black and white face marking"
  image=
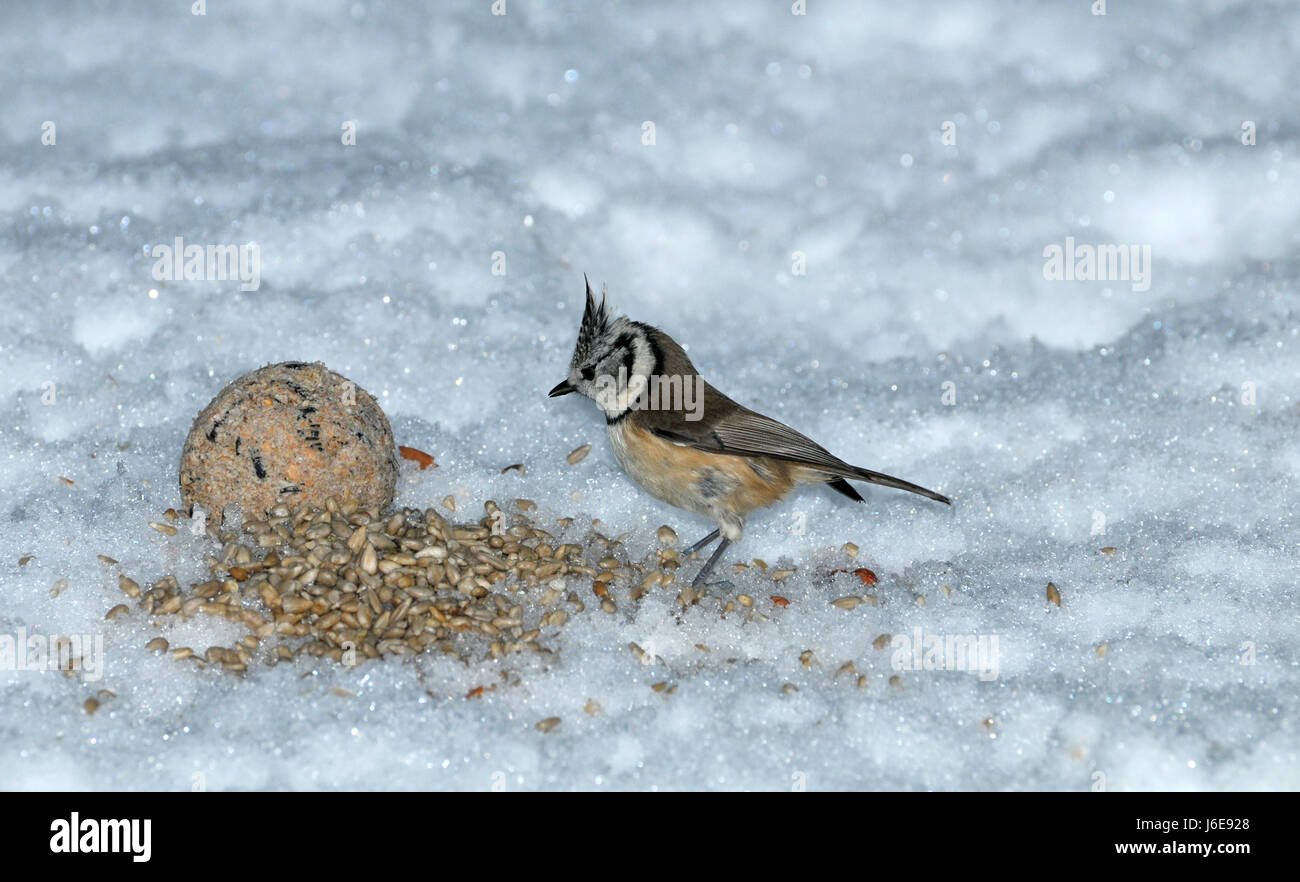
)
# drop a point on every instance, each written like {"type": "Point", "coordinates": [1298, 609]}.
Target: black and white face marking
{"type": "Point", "coordinates": [616, 369]}
{"type": "Point", "coordinates": [613, 360]}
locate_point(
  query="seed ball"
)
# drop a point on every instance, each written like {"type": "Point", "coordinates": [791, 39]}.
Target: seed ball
{"type": "Point", "coordinates": [289, 433]}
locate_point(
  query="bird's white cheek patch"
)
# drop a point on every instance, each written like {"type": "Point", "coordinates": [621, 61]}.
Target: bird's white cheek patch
{"type": "Point", "coordinates": [635, 386]}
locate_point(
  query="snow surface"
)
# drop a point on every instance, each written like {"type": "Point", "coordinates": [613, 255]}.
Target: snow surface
{"type": "Point", "coordinates": [1161, 423]}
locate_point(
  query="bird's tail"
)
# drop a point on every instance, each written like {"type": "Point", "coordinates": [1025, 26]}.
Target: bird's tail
{"type": "Point", "coordinates": [897, 483]}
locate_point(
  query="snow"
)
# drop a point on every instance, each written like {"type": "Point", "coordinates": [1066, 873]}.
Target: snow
{"type": "Point", "coordinates": [1084, 414]}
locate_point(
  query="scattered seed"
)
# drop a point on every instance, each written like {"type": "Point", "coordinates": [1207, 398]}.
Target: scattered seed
{"type": "Point", "coordinates": [130, 587]}
{"type": "Point", "coordinates": [781, 575]}
{"type": "Point", "coordinates": [295, 605]}
{"type": "Point", "coordinates": [579, 454]}
{"type": "Point", "coordinates": [850, 549]}
{"type": "Point", "coordinates": [26, 559]}
{"type": "Point", "coordinates": [157, 644]}
{"type": "Point", "coordinates": [745, 600]}
{"type": "Point", "coordinates": [106, 559]}
{"type": "Point", "coordinates": [850, 602]}
{"type": "Point", "coordinates": [1102, 649]}
{"type": "Point", "coordinates": [517, 467]}
{"type": "Point", "coordinates": [419, 456]}
{"type": "Point", "coordinates": [91, 705]}
{"type": "Point", "coordinates": [883, 641]}
{"type": "Point", "coordinates": [58, 587]}
{"type": "Point", "coordinates": [1053, 593]}
{"type": "Point", "coordinates": [370, 560]}
{"type": "Point", "coordinates": [667, 536]}
{"type": "Point", "coordinates": [1108, 550]}
{"type": "Point", "coordinates": [867, 577]}
{"type": "Point", "coordinates": [120, 610]}
{"type": "Point", "coordinates": [166, 529]}
{"type": "Point", "coordinates": [449, 503]}
{"type": "Point", "coordinates": [548, 724]}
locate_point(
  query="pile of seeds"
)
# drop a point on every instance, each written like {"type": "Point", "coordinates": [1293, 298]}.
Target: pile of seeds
{"type": "Point", "coordinates": [346, 583]}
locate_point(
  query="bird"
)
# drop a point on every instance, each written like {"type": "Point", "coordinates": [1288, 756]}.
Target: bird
{"type": "Point", "coordinates": [688, 444]}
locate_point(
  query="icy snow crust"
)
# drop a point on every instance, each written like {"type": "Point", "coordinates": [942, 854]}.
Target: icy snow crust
{"type": "Point", "coordinates": [1161, 423]}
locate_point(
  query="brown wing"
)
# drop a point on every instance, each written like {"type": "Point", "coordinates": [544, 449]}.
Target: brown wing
{"type": "Point", "coordinates": [727, 427]}
{"type": "Point", "coordinates": [730, 428]}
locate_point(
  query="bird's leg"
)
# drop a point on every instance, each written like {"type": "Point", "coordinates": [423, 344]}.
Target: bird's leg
{"type": "Point", "coordinates": [703, 542]}
{"type": "Point", "coordinates": [708, 565]}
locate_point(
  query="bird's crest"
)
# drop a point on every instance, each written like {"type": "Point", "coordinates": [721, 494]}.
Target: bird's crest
{"type": "Point", "coordinates": [595, 324]}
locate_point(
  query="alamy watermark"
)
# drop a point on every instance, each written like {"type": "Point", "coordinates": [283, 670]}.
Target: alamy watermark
{"type": "Point", "coordinates": [214, 263]}
{"type": "Point", "coordinates": [972, 653]}
{"type": "Point", "coordinates": [656, 392]}
{"type": "Point", "coordinates": [1098, 263]}
{"type": "Point", "coordinates": [37, 652]}
{"type": "Point", "coordinates": [76, 834]}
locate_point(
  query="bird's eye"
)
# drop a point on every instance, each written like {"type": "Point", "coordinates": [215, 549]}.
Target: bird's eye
{"type": "Point", "coordinates": [589, 374]}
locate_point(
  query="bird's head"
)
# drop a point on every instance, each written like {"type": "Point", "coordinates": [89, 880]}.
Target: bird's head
{"type": "Point", "coordinates": [612, 360]}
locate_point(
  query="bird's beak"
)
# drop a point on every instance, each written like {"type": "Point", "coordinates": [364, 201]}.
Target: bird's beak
{"type": "Point", "coordinates": [562, 389]}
